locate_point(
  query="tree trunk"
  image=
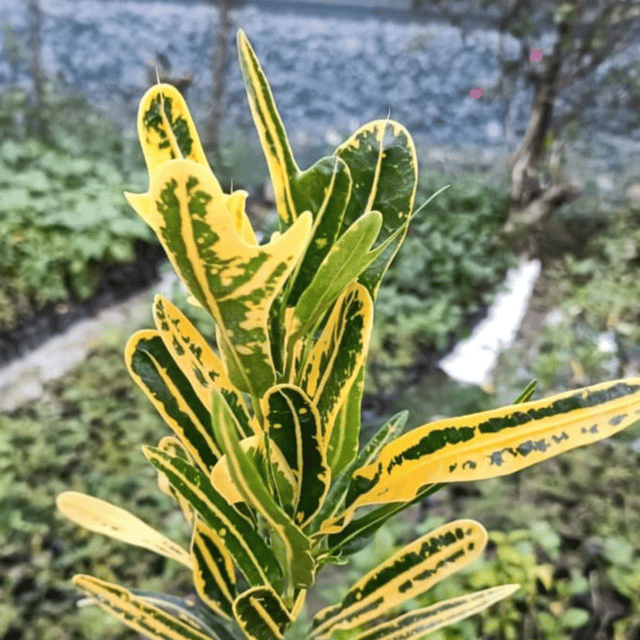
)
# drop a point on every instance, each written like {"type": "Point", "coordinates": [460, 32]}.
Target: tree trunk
{"type": "Point", "coordinates": [39, 121]}
{"type": "Point", "coordinates": [531, 200]}
{"type": "Point", "coordinates": [219, 66]}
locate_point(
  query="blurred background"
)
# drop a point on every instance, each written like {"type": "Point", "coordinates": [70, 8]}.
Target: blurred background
{"type": "Point", "coordinates": [528, 109]}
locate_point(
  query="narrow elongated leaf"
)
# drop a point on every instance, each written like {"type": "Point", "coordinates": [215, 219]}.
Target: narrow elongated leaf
{"type": "Point", "coordinates": [105, 518]}
{"type": "Point", "coordinates": [497, 442]}
{"type": "Point", "coordinates": [233, 280]}
{"type": "Point", "coordinates": [294, 425]}
{"type": "Point", "coordinates": [350, 256]}
{"type": "Point", "coordinates": [405, 575]}
{"type": "Point", "coordinates": [254, 446]}
{"type": "Point", "coordinates": [339, 488]}
{"type": "Point", "coordinates": [248, 549]}
{"type": "Point", "coordinates": [261, 614]}
{"type": "Point", "coordinates": [345, 435]}
{"type": "Point", "coordinates": [137, 613]}
{"type": "Point", "coordinates": [384, 169]}
{"type": "Point", "coordinates": [197, 360]}
{"type": "Point", "coordinates": [419, 623]}
{"type": "Point", "coordinates": [166, 129]}
{"type": "Point", "coordinates": [213, 571]}
{"type": "Point", "coordinates": [335, 362]}
{"type": "Point", "coordinates": [247, 479]}
{"type": "Point", "coordinates": [154, 371]}
{"type": "Point", "coordinates": [188, 610]}
{"type": "Point", "coordinates": [172, 447]}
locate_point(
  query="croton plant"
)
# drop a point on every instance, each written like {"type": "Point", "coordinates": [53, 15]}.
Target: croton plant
{"type": "Point", "coordinates": [263, 459]}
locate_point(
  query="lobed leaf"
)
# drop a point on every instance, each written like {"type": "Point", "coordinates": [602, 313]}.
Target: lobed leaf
{"type": "Point", "coordinates": [248, 549]}
{"type": "Point", "coordinates": [105, 518]}
{"type": "Point", "coordinates": [236, 282]}
{"type": "Point", "coordinates": [405, 575]}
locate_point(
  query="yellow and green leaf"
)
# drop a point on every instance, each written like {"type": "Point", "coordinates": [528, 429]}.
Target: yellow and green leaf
{"type": "Point", "coordinates": [236, 282]}
{"type": "Point", "coordinates": [415, 625]}
{"type": "Point", "coordinates": [105, 518]}
{"type": "Point", "coordinates": [339, 488]}
{"type": "Point", "coordinates": [166, 129]}
{"type": "Point", "coordinates": [405, 575]}
{"type": "Point", "coordinates": [497, 442]}
{"type": "Point", "coordinates": [197, 360]}
{"type": "Point", "coordinates": [247, 479]}
{"type": "Point", "coordinates": [172, 447]}
{"type": "Point", "coordinates": [153, 369]}
{"type": "Point", "coordinates": [214, 575]}
{"type": "Point", "coordinates": [261, 614]}
{"type": "Point", "coordinates": [293, 424]}
{"type": "Point", "coordinates": [334, 364]}
{"type": "Point", "coordinates": [248, 549]}
{"type": "Point", "coordinates": [382, 161]}
{"type": "Point", "coordinates": [138, 613]}
{"type": "Point", "coordinates": [254, 446]}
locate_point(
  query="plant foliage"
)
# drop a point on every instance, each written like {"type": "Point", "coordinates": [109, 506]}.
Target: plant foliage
{"type": "Point", "coordinates": [264, 460]}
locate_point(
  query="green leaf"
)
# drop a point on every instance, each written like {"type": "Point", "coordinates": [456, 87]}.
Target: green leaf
{"type": "Point", "coordinates": [152, 368]}
{"type": "Point", "coordinates": [137, 613]}
{"type": "Point", "coordinates": [293, 424]}
{"type": "Point", "coordinates": [248, 482]}
{"type": "Point", "coordinates": [416, 624]}
{"type": "Point", "coordinates": [261, 614]}
{"type": "Point", "coordinates": [213, 570]}
{"type": "Point", "coordinates": [246, 546]}
{"type": "Point", "coordinates": [384, 170]}
{"type": "Point", "coordinates": [387, 432]}
{"type": "Point", "coordinates": [334, 364]}
{"type": "Point", "coordinates": [349, 257]}
{"type": "Point", "coordinates": [406, 574]}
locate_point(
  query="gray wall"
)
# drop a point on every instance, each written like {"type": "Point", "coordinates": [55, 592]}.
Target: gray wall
{"type": "Point", "coordinates": [329, 72]}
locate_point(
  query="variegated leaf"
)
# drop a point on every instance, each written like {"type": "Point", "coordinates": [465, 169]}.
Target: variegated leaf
{"type": "Point", "coordinates": [405, 575]}
{"type": "Point", "coordinates": [350, 256]}
{"type": "Point", "coordinates": [254, 446]}
{"type": "Point", "coordinates": [105, 518]}
{"type": "Point", "coordinates": [248, 549]}
{"type": "Point", "coordinates": [197, 360]}
{"type": "Point", "coordinates": [497, 442]}
{"type": "Point", "coordinates": [294, 425]}
{"type": "Point", "coordinates": [163, 382]}
{"type": "Point", "coordinates": [172, 447]}
{"type": "Point", "coordinates": [233, 280]}
{"type": "Point", "coordinates": [137, 613]}
{"type": "Point", "coordinates": [261, 614]}
{"type": "Point", "coordinates": [166, 129]}
{"type": "Point", "coordinates": [417, 624]}
{"type": "Point", "coordinates": [213, 571]}
{"type": "Point", "coordinates": [339, 488]}
{"type": "Point", "coordinates": [336, 360]}
{"type": "Point", "coordinates": [245, 475]}
{"type": "Point", "coordinates": [384, 169]}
